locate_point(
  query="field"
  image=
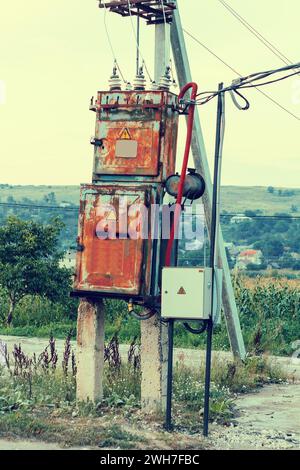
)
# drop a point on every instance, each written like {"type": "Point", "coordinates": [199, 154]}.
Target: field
{"type": "Point", "coordinates": [235, 199]}
{"type": "Point", "coordinates": [36, 193]}
{"type": "Point", "coordinates": [241, 198]}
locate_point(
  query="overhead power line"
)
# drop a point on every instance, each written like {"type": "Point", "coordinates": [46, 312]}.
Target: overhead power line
{"type": "Point", "coordinates": [37, 206]}
{"type": "Point", "coordinates": [248, 82]}
{"type": "Point", "coordinates": [137, 42]}
{"type": "Point", "coordinates": [266, 95]}
{"type": "Point", "coordinates": [76, 209]}
{"type": "Point", "coordinates": [257, 34]}
{"type": "Point", "coordinates": [279, 217]}
{"type": "Point", "coordinates": [111, 45]}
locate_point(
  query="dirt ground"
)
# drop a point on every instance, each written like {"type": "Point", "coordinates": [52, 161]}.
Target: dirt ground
{"type": "Point", "coordinates": [27, 445]}
{"type": "Point", "coordinates": [268, 419]}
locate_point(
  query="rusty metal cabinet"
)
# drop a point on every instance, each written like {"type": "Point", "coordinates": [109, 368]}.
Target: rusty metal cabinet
{"type": "Point", "coordinates": [136, 134]}
{"type": "Point", "coordinates": [116, 252]}
{"type": "Point", "coordinates": [135, 152]}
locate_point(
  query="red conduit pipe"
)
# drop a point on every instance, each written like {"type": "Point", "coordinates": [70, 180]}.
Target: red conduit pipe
{"type": "Point", "coordinates": [190, 124]}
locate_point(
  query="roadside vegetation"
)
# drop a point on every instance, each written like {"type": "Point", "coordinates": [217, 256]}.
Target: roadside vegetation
{"type": "Point", "coordinates": [269, 313]}
{"type": "Point", "coordinates": [35, 294]}
{"type": "Point", "coordinates": [37, 398]}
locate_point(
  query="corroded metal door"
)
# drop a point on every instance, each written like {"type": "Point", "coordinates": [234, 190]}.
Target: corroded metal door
{"type": "Point", "coordinates": [111, 242]}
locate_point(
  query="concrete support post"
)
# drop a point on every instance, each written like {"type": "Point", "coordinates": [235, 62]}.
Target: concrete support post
{"type": "Point", "coordinates": [162, 50]}
{"type": "Point", "coordinates": [90, 350]}
{"type": "Point", "coordinates": [154, 334]}
{"type": "Point", "coordinates": [154, 361]}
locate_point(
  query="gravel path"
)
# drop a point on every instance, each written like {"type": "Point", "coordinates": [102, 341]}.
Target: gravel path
{"type": "Point", "coordinates": [268, 419]}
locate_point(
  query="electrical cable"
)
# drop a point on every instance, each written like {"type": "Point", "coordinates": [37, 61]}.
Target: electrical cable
{"type": "Point", "coordinates": [236, 103]}
{"type": "Point", "coordinates": [266, 73]}
{"type": "Point", "coordinates": [283, 108]}
{"type": "Point", "coordinates": [36, 206]}
{"type": "Point", "coordinates": [164, 13]}
{"type": "Point", "coordinates": [137, 42]}
{"type": "Point", "coordinates": [279, 217]}
{"type": "Point", "coordinates": [190, 124]}
{"type": "Point", "coordinates": [142, 317]}
{"type": "Point", "coordinates": [257, 34]}
{"type": "Point", "coordinates": [177, 212]}
{"type": "Point", "coordinates": [76, 208]}
{"type": "Point", "coordinates": [211, 52]}
{"type": "Point", "coordinates": [195, 331]}
{"type": "Point", "coordinates": [247, 82]}
{"type": "Point", "coordinates": [111, 46]}
{"type": "Point", "coordinates": [238, 84]}
{"type": "Point", "coordinates": [270, 82]}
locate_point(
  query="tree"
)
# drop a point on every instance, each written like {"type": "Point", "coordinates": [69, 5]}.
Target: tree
{"type": "Point", "coordinates": [271, 247]}
{"type": "Point", "coordinates": [29, 262]}
{"type": "Point", "coordinates": [50, 199]}
{"type": "Point", "coordinates": [256, 267]}
{"type": "Point", "coordinates": [294, 208]}
{"type": "Point", "coordinates": [249, 213]}
{"type": "Point", "coordinates": [10, 200]}
{"type": "Point", "coordinates": [271, 189]}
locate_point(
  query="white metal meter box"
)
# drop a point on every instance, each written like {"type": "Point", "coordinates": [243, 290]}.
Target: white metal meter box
{"type": "Point", "coordinates": [186, 293]}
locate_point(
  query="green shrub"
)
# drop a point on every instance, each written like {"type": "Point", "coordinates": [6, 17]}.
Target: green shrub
{"type": "Point", "coordinates": [269, 314]}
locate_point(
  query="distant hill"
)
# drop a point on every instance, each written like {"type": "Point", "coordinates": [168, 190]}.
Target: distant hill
{"type": "Point", "coordinates": [235, 199]}
{"type": "Point", "coordinates": [241, 198]}
{"type": "Point", "coordinates": [37, 193]}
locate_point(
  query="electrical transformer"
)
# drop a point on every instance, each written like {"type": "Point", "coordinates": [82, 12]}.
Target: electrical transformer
{"type": "Point", "coordinates": [119, 233]}
{"type": "Point", "coordinates": [136, 135]}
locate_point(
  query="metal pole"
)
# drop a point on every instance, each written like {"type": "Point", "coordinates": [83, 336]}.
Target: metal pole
{"type": "Point", "coordinates": [162, 50]}
{"type": "Point", "coordinates": [184, 76]}
{"type": "Point", "coordinates": [138, 44]}
{"type": "Point", "coordinates": [213, 251]}
{"type": "Point", "coordinates": [168, 422]}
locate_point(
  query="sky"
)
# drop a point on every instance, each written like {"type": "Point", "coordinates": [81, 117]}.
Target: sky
{"type": "Point", "coordinates": [54, 56]}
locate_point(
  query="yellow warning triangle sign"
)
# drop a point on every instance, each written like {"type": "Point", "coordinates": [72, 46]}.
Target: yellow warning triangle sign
{"type": "Point", "coordinates": [111, 216]}
{"type": "Point", "coordinates": [125, 134]}
{"type": "Point", "coordinates": [181, 291]}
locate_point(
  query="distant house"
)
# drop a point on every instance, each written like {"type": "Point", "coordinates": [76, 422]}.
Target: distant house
{"type": "Point", "coordinates": [233, 250]}
{"type": "Point", "coordinates": [247, 257]}
{"type": "Point", "coordinates": [65, 204]}
{"type": "Point", "coordinates": [69, 260]}
{"type": "Point", "coordinates": [237, 219]}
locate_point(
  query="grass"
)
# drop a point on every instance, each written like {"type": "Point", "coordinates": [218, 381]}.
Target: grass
{"type": "Point", "coordinates": [37, 193]}
{"type": "Point", "coordinates": [37, 400]}
{"type": "Point", "coordinates": [237, 199]}
{"type": "Point", "coordinates": [269, 314]}
{"type": "Point", "coordinates": [59, 330]}
{"type": "Point", "coordinates": [28, 425]}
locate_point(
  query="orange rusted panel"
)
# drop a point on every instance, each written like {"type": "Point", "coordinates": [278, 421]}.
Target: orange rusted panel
{"type": "Point", "coordinates": [143, 139]}
{"type": "Point", "coordinates": [135, 151]}
{"type": "Point", "coordinates": [136, 134]}
{"type": "Point", "coordinates": [109, 260]}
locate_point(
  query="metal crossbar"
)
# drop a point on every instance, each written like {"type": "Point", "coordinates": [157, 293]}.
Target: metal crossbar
{"type": "Point", "coordinates": [153, 11]}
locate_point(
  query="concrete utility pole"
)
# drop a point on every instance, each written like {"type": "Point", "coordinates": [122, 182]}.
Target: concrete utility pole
{"type": "Point", "coordinates": [90, 350]}
{"type": "Point", "coordinates": [201, 164]}
{"type": "Point", "coordinates": [154, 334]}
